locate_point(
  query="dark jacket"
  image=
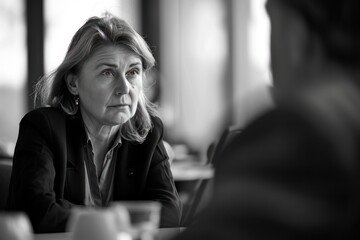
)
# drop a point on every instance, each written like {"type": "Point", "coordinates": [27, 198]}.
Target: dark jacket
{"type": "Point", "coordinates": [48, 170]}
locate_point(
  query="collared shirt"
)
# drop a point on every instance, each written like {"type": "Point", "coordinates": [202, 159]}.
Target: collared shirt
{"type": "Point", "coordinates": [99, 189]}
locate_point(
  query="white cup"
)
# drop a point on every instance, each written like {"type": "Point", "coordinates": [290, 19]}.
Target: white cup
{"type": "Point", "coordinates": [92, 224]}
{"type": "Point", "coordinates": [143, 217]}
{"type": "Point", "coordinates": [15, 226]}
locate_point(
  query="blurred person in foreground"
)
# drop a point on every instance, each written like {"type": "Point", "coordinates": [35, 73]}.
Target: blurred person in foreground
{"type": "Point", "coordinates": [293, 173]}
{"type": "Point", "coordinates": [95, 137]}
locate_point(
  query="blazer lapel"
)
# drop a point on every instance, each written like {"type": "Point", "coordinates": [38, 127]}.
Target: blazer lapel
{"type": "Point", "coordinates": [75, 170]}
{"type": "Point", "coordinates": [130, 171]}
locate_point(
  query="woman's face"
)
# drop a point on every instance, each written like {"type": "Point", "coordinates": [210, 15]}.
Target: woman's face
{"type": "Point", "coordinates": [109, 84]}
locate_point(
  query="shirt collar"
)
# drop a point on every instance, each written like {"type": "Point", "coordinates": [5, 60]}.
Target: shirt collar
{"type": "Point", "coordinates": [116, 142]}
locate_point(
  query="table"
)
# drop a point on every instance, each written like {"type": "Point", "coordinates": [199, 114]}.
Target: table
{"type": "Point", "coordinates": [163, 234]}
{"type": "Point", "coordinates": [189, 171]}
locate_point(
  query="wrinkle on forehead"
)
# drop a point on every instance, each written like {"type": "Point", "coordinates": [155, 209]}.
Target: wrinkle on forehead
{"type": "Point", "coordinates": [114, 55]}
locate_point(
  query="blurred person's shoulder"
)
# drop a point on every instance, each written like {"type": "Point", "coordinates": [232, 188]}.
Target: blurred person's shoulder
{"type": "Point", "coordinates": [325, 115]}
{"type": "Point", "coordinates": [331, 104]}
{"type": "Point", "coordinates": [321, 113]}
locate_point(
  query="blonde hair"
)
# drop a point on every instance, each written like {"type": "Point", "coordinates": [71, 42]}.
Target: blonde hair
{"type": "Point", "coordinates": [51, 90]}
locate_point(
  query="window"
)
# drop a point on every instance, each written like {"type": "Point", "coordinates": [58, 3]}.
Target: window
{"type": "Point", "coordinates": [12, 70]}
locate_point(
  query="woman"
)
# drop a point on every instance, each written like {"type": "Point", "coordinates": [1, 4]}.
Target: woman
{"type": "Point", "coordinates": [98, 139]}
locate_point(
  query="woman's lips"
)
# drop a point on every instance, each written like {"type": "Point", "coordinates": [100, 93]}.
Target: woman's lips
{"type": "Point", "coordinates": [120, 106]}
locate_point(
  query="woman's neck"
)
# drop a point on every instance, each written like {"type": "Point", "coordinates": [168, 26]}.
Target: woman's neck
{"type": "Point", "coordinates": [102, 136]}
{"type": "Point", "coordinates": [99, 132]}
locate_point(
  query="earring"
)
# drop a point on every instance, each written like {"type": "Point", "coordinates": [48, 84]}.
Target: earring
{"type": "Point", "coordinates": [76, 99]}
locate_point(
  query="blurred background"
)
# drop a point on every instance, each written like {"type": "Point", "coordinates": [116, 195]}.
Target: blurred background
{"type": "Point", "coordinates": [212, 60]}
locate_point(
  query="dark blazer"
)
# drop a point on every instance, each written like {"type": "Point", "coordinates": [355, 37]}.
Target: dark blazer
{"type": "Point", "coordinates": [48, 171]}
{"type": "Point", "coordinates": [293, 173]}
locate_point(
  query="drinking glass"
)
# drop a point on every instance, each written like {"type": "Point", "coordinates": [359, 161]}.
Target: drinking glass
{"type": "Point", "coordinates": [143, 218]}
{"type": "Point", "coordinates": [15, 226]}
{"type": "Point", "coordinates": [92, 224]}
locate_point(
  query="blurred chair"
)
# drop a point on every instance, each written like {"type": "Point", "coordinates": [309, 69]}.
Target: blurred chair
{"type": "Point", "coordinates": [226, 137]}
{"type": "Point", "coordinates": [5, 174]}
{"type": "Point", "coordinates": [203, 189]}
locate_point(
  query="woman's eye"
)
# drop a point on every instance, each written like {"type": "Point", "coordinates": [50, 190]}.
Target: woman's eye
{"type": "Point", "coordinates": [133, 72]}
{"type": "Point", "coordinates": [108, 73]}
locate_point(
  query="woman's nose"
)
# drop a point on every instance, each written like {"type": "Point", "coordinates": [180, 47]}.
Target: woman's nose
{"type": "Point", "coordinates": [122, 86]}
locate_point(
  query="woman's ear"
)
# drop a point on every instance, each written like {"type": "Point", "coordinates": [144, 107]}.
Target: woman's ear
{"type": "Point", "coordinates": [306, 48]}
{"type": "Point", "coordinates": [300, 39]}
{"type": "Point", "coordinates": [72, 83]}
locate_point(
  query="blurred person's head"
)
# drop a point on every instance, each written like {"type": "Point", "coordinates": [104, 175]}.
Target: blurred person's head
{"type": "Point", "coordinates": [102, 75]}
{"type": "Point", "coordinates": [310, 37]}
